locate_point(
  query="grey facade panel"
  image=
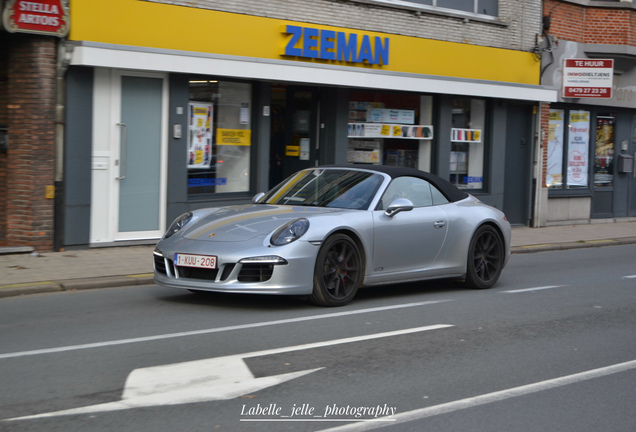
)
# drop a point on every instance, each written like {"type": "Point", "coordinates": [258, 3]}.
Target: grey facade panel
{"type": "Point", "coordinates": [78, 156]}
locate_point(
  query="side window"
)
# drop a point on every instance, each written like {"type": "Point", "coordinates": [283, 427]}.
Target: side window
{"type": "Point", "coordinates": [418, 191]}
{"type": "Point", "coordinates": [438, 197]}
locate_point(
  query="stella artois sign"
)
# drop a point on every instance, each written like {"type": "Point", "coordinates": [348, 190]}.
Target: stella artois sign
{"type": "Point", "coordinates": [49, 17]}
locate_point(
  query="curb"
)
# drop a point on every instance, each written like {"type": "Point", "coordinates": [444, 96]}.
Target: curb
{"type": "Point", "coordinates": [75, 284]}
{"type": "Point", "coordinates": [44, 287]}
{"type": "Point", "coordinates": [572, 245]}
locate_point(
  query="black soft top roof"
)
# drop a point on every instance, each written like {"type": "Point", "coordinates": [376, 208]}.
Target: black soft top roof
{"type": "Point", "coordinates": [448, 189]}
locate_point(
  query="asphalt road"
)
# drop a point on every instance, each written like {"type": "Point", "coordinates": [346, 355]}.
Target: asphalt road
{"type": "Point", "coordinates": [551, 347]}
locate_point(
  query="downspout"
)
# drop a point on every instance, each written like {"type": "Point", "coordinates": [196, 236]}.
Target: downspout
{"type": "Point", "coordinates": [64, 52]}
{"type": "Point", "coordinates": [538, 168]}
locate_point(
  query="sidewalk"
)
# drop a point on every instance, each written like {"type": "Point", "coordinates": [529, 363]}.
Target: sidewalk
{"type": "Point", "coordinates": [30, 273]}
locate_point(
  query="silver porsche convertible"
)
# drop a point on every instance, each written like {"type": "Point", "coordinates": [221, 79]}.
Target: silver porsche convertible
{"type": "Point", "coordinates": [327, 231]}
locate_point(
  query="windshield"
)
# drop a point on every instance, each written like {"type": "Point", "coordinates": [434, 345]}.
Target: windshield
{"type": "Point", "coordinates": [339, 188]}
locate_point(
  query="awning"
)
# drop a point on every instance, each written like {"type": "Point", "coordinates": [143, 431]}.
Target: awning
{"type": "Point", "coordinates": [148, 59]}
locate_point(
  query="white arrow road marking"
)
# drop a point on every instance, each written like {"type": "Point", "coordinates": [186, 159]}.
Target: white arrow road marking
{"type": "Point", "coordinates": [181, 383]}
{"type": "Point", "coordinates": [218, 378]}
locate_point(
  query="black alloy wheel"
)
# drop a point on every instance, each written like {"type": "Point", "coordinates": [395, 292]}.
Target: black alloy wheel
{"type": "Point", "coordinates": [337, 273]}
{"type": "Point", "coordinates": [485, 258]}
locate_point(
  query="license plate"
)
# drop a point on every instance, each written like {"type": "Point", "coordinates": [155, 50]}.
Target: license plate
{"type": "Point", "coordinates": [199, 261]}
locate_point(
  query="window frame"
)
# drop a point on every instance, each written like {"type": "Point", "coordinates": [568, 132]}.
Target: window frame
{"type": "Point", "coordinates": [253, 152]}
{"type": "Point", "coordinates": [485, 142]}
{"type": "Point", "coordinates": [563, 190]}
{"type": "Point", "coordinates": [424, 146]}
{"type": "Point", "coordinates": [438, 10]}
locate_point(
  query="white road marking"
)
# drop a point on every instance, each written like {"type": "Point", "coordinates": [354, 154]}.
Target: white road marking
{"type": "Point", "coordinates": [449, 407]}
{"type": "Point", "coordinates": [214, 330]}
{"type": "Point", "coordinates": [218, 378]}
{"type": "Point", "coordinates": [533, 289]}
{"type": "Point", "coordinates": [629, 277]}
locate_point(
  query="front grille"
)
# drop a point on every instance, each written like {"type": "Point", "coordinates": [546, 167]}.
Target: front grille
{"type": "Point", "coordinates": [249, 272]}
{"type": "Point", "coordinates": [160, 264]}
{"type": "Point", "coordinates": [227, 269]}
{"type": "Point", "coordinates": [255, 272]}
{"type": "Point", "coordinates": [196, 273]}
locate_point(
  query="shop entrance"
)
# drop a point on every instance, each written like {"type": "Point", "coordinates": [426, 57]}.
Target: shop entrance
{"type": "Point", "coordinates": [128, 176]}
{"type": "Point", "coordinates": [518, 152]}
{"type": "Point", "coordinates": [632, 175]}
{"type": "Point", "coordinates": [614, 149]}
{"type": "Point", "coordinates": [295, 133]}
{"type": "Point", "coordinates": [139, 200]}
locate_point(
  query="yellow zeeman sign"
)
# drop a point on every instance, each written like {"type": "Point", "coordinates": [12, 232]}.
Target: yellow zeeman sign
{"type": "Point", "coordinates": [143, 24]}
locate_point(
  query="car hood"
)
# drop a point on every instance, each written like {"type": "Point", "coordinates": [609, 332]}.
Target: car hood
{"type": "Point", "coordinates": [239, 223]}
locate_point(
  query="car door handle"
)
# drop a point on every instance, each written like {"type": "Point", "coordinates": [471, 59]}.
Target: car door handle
{"type": "Point", "coordinates": [439, 224]}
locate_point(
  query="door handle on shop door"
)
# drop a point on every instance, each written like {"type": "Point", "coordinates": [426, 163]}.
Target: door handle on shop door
{"type": "Point", "coordinates": [122, 151]}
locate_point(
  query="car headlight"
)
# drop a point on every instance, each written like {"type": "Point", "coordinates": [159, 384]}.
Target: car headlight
{"type": "Point", "coordinates": [178, 223]}
{"type": "Point", "coordinates": [290, 232]}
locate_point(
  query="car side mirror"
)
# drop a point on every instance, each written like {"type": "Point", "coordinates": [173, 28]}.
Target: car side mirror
{"type": "Point", "coordinates": [398, 205]}
{"type": "Point", "coordinates": [257, 197]}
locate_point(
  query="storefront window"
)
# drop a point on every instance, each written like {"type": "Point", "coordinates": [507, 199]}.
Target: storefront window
{"type": "Point", "coordinates": [219, 137]}
{"type": "Point", "coordinates": [572, 159]}
{"type": "Point", "coordinates": [604, 150]}
{"type": "Point", "coordinates": [390, 129]}
{"type": "Point", "coordinates": [467, 144]}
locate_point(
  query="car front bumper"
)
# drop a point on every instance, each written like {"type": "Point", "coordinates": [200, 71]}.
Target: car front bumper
{"type": "Point", "coordinates": [293, 277]}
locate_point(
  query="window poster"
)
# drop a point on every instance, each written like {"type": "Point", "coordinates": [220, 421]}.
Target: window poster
{"type": "Point", "coordinates": [465, 135]}
{"type": "Point", "coordinates": [384, 130]}
{"type": "Point", "coordinates": [578, 148]}
{"type": "Point", "coordinates": [554, 172]}
{"type": "Point", "coordinates": [380, 115]}
{"type": "Point", "coordinates": [245, 113]}
{"type": "Point", "coordinates": [604, 150]}
{"type": "Point", "coordinates": [200, 135]}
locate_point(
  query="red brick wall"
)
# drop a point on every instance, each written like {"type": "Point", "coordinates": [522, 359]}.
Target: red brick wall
{"type": "Point", "coordinates": [594, 25]}
{"type": "Point", "coordinates": [30, 114]}
{"type": "Point", "coordinates": [567, 21]}
{"type": "Point", "coordinates": [609, 26]}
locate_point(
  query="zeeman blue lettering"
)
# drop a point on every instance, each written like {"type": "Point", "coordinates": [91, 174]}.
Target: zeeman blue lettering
{"type": "Point", "coordinates": [327, 45]}
{"type": "Point", "coordinates": [310, 42]}
{"type": "Point", "coordinates": [347, 50]}
{"type": "Point", "coordinates": [291, 49]}
{"type": "Point", "coordinates": [314, 43]}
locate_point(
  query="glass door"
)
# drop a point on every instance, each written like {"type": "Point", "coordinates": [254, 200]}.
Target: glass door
{"type": "Point", "coordinates": [604, 149]}
{"type": "Point", "coordinates": [632, 175]}
{"type": "Point", "coordinates": [294, 140]}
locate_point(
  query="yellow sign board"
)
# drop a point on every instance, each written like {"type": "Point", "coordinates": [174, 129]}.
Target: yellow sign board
{"type": "Point", "coordinates": [292, 150]}
{"type": "Point", "coordinates": [236, 137]}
